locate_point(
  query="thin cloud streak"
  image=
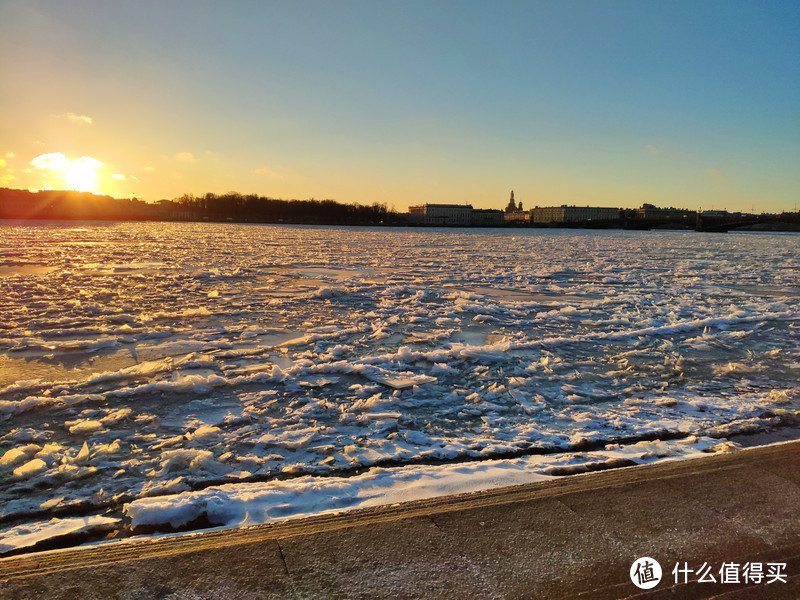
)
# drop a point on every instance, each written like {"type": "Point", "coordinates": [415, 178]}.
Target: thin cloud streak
{"type": "Point", "coordinates": [269, 173]}
{"type": "Point", "coordinates": [76, 118]}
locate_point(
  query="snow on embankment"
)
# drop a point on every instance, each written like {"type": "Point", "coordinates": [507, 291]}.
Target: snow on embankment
{"type": "Point", "coordinates": [244, 504]}
{"type": "Point", "coordinates": [41, 535]}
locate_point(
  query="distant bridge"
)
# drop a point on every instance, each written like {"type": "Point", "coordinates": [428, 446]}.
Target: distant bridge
{"type": "Point", "coordinates": [723, 223]}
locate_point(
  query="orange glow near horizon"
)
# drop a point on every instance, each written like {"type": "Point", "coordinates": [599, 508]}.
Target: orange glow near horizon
{"type": "Point", "coordinates": [81, 174]}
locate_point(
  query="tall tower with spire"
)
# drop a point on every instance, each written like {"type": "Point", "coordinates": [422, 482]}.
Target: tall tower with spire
{"type": "Point", "coordinates": [512, 206]}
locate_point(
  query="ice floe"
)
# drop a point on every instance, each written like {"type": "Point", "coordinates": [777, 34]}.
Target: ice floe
{"type": "Point", "coordinates": [169, 371]}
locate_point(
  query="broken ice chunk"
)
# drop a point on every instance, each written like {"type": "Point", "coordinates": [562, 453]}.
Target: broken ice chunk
{"type": "Point", "coordinates": [396, 380]}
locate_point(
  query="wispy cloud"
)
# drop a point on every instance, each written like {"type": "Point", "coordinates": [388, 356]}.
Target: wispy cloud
{"type": "Point", "coordinates": [184, 156]}
{"type": "Point", "coordinates": [87, 161]}
{"type": "Point", "coordinates": [122, 177]}
{"type": "Point", "coordinates": [76, 118]}
{"type": "Point", "coordinates": [269, 173]}
{"type": "Point", "coordinates": [149, 169]}
{"type": "Point", "coordinates": [651, 149]}
{"type": "Point", "coordinates": [53, 161]}
{"type": "Point", "coordinates": [57, 162]}
{"type": "Point", "coordinates": [715, 173]}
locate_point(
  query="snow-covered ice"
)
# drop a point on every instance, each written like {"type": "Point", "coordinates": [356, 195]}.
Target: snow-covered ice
{"type": "Point", "coordinates": [31, 534]}
{"type": "Point", "coordinates": [160, 375]}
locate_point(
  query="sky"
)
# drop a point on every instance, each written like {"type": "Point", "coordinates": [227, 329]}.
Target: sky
{"type": "Point", "coordinates": [686, 103]}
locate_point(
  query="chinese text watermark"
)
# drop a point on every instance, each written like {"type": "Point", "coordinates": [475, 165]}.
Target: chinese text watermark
{"type": "Point", "coordinates": [731, 572]}
{"type": "Point", "coordinates": [646, 573]}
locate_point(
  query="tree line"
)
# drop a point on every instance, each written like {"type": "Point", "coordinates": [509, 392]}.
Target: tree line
{"type": "Point", "coordinates": [233, 206]}
{"type": "Point", "coordinates": [60, 204]}
{"type": "Point", "coordinates": [252, 208]}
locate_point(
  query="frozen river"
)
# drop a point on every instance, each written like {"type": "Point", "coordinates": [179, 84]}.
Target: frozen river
{"type": "Point", "coordinates": [161, 375]}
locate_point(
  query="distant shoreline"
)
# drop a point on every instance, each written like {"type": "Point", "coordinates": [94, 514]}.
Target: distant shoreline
{"type": "Point", "coordinates": [24, 206]}
{"type": "Point", "coordinates": [763, 227]}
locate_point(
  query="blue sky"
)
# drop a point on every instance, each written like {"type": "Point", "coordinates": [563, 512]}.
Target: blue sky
{"type": "Point", "coordinates": [614, 103]}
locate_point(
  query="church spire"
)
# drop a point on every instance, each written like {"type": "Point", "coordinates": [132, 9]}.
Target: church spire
{"type": "Point", "coordinates": [512, 206]}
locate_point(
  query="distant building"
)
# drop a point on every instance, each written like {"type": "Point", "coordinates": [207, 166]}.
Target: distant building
{"type": "Point", "coordinates": [449, 215]}
{"type": "Point", "coordinates": [175, 211]}
{"type": "Point", "coordinates": [574, 214]}
{"type": "Point", "coordinates": [514, 212]}
{"type": "Point", "coordinates": [518, 216]}
{"type": "Point", "coordinates": [512, 206]}
{"type": "Point", "coordinates": [649, 212]}
{"type": "Point", "coordinates": [488, 217]}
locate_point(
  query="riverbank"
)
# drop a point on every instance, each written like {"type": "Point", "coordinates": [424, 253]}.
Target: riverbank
{"type": "Point", "coordinates": [573, 537]}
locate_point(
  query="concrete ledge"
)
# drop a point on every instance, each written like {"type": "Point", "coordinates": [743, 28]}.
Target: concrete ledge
{"type": "Point", "coordinates": [567, 538]}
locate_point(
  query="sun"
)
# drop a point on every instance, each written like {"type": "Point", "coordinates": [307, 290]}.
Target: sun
{"type": "Point", "coordinates": [82, 177]}
{"type": "Point", "coordinates": [81, 174]}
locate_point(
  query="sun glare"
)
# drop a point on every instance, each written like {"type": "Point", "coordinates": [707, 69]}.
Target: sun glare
{"type": "Point", "coordinates": [81, 174]}
{"type": "Point", "coordinates": [82, 177]}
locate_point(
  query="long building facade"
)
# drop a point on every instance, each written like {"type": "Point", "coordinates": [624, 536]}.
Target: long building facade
{"type": "Point", "coordinates": [574, 214]}
{"type": "Point", "coordinates": [464, 215]}
{"type": "Point", "coordinates": [487, 217]}
{"type": "Point", "coordinates": [441, 214]}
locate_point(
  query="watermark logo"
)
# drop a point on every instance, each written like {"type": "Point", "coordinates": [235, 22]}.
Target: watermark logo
{"type": "Point", "coordinates": [731, 572]}
{"type": "Point", "coordinates": [645, 573]}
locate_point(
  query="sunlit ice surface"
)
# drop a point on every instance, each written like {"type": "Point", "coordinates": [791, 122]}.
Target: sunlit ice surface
{"type": "Point", "coordinates": [159, 376]}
